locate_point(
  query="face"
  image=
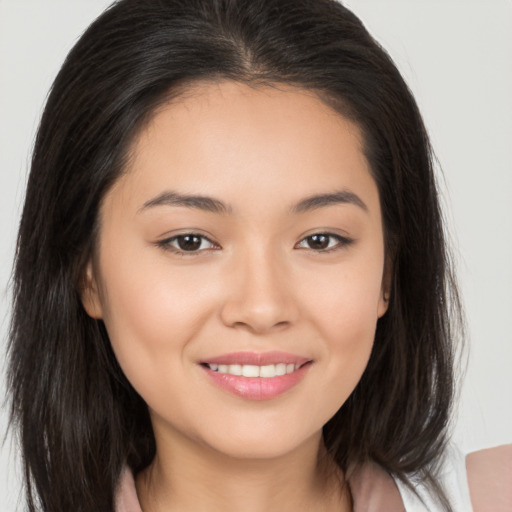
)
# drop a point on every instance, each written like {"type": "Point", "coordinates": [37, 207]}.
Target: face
{"type": "Point", "coordinates": [239, 268]}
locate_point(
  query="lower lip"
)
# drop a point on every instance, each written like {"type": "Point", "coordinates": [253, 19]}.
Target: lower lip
{"type": "Point", "coordinates": [257, 388]}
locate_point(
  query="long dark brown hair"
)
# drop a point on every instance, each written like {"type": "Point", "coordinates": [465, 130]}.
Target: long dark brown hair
{"type": "Point", "coordinates": [78, 418]}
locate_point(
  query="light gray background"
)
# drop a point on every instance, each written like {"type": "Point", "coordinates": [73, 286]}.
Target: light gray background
{"type": "Point", "coordinates": [456, 56]}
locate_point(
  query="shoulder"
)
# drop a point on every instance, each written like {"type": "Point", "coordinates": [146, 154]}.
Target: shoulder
{"type": "Point", "coordinates": [490, 479]}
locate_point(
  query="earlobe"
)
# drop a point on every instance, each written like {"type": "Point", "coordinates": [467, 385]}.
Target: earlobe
{"type": "Point", "coordinates": [383, 303]}
{"type": "Point", "coordinates": [89, 293]}
{"type": "Point", "coordinates": [385, 291]}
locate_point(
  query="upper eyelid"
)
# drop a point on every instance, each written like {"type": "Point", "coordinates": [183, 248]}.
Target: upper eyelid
{"type": "Point", "coordinates": [192, 232]}
{"type": "Point", "coordinates": [166, 242]}
{"type": "Point", "coordinates": [199, 235]}
{"type": "Point", "coordinates": [341, 239]}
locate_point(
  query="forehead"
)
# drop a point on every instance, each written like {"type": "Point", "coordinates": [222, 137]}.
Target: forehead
{"type": "Point", "coordinates": [231, 140]}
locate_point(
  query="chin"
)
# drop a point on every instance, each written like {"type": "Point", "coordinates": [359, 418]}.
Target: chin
{"type": "Point", "coordinates": [262, 446]}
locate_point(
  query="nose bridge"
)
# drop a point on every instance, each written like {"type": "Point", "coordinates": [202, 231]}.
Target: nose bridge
{"type": "Point", "coordinates": [260, 296]}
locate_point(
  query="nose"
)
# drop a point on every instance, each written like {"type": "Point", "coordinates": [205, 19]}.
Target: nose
{"type": "Point", "coordinates": [259, 295]}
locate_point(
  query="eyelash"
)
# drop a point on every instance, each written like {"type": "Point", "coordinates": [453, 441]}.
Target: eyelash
{"type": "Point", "coordinates": [166, 244]}
{"type": "Point", "coordinates": [342, 242]}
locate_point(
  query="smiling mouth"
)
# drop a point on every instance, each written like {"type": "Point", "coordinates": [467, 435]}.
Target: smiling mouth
{"type": "Point", "coordinates": [268, 371]}
{"type": "Point", "coordinates": [256, 375]}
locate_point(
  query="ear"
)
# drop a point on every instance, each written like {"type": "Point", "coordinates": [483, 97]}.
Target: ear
{"type": "Point", "coordinates": [385, 290]}
{"type": "Point", "coordinates": [89, 293]}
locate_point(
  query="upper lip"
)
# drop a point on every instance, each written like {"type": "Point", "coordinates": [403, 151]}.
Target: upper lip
{"type": "Point", "coordinates": [257, 358]}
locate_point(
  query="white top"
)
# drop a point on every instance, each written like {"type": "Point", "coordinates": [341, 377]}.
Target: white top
{"type": "Point", "coordinates": [453, 477]}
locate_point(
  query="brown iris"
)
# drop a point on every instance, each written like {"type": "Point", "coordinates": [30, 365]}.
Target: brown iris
{"type": "Point", "coordinates": [318, 242]}
{"type": "Point", "coordinates": [189, 242]}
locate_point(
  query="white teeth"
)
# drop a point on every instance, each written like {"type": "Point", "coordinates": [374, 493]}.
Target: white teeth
{"type": "Point", "coordinates": [235, 369]}
{"type": "Point", "coordinates": [250, 370]}
{"type": "Point", "coordinates": [280, 369]}
{"type": "Point", "coordinates": [268, 371]}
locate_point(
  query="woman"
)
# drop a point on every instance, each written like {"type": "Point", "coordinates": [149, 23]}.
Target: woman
{"type": "Point", "coordinates": [229, 209]}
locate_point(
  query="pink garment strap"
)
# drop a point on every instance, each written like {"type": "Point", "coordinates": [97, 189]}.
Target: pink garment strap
{"type": "Point", "coordinates": [374, 490]}
{"type": "Point", "coordinates": [126, 494]}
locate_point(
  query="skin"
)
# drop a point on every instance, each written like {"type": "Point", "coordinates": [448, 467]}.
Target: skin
{"type": "Point", "coordinates": [489, 477]}
{"type": "Point", "coordinates": [258, 286]}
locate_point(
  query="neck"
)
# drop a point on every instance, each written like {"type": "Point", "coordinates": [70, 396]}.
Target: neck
{"type": "Point", "coordinates": [187, 477]}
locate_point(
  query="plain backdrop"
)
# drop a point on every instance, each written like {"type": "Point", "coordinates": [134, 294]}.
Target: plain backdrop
{"type": "Point", "coordinates": [457, 58]}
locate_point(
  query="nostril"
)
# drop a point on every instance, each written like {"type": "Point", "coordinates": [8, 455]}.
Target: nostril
{"type": "Point", "coordinates": [258, 312]}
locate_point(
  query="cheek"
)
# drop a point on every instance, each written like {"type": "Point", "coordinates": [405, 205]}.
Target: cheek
{"type": "Point", "coordinates": [345, 302]}
{"type": "Point", "coordinates": [152, 316]}
{"type": "Point", "coordinates": [345, 309]}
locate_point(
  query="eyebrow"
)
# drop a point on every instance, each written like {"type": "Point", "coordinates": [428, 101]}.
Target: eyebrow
{"type": "Point", "coordinates": [322, 200]}
{"type": "Point", "coordinates": [210, 204]}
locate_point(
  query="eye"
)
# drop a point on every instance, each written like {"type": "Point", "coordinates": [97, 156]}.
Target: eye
{"type": "Point", "coordinates": [324, 242]}
{"type": "Point", "coordinates": [187, 243]}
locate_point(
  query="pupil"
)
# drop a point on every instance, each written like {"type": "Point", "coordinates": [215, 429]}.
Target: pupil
{"type": "Point", "coordinates": [318, 241]}
{"type": "Point", "coordinates": [189, 242]}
